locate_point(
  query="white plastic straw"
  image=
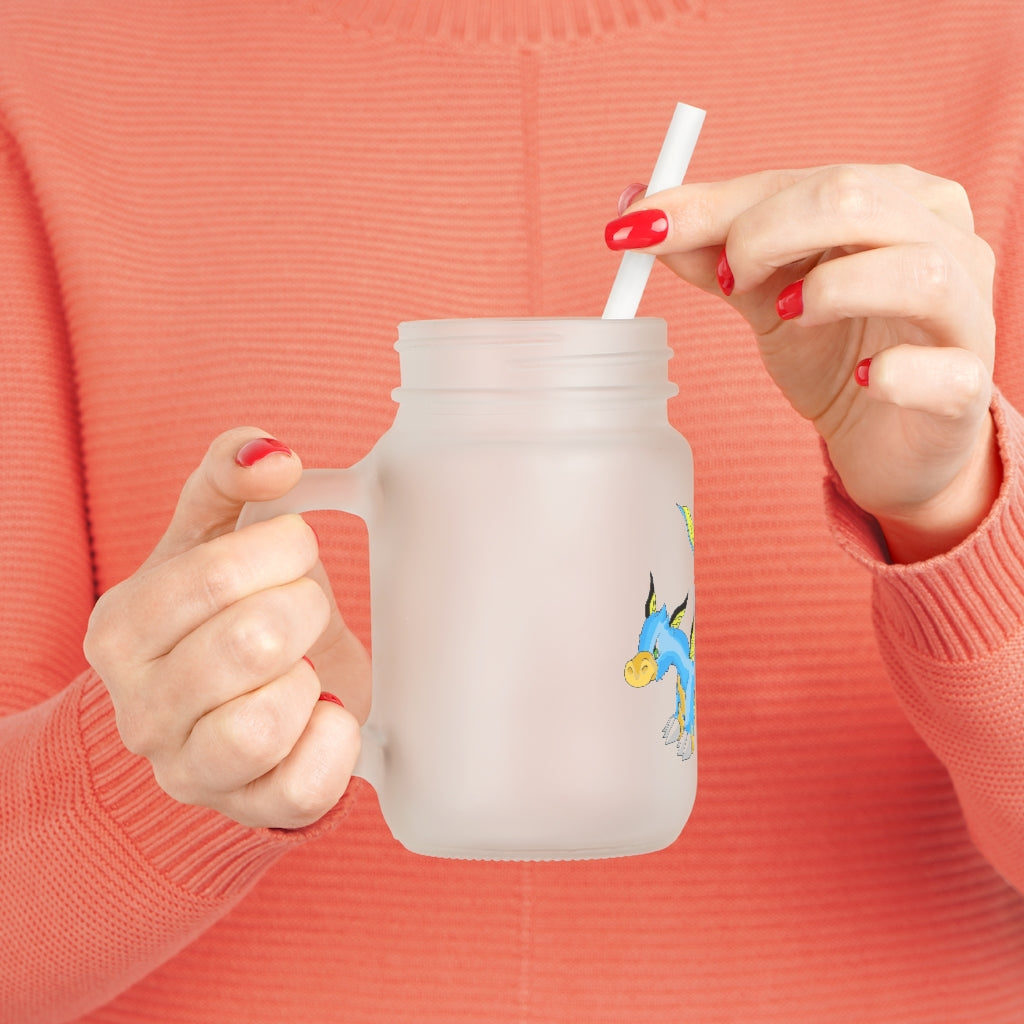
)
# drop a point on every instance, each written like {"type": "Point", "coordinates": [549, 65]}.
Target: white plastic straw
{"type": "Point", "coordinates": [674, 158]}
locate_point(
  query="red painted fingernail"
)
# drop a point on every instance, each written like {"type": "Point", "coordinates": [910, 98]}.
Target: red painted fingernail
{"type": "Point", "coordinates": [309, 663]}
{"type": "Point", "coordinates": [628, 195]}
{"type": "Point", "coordinates": [252, 451]}
{"type": "Point", "coordinates": [724, 274]}
{"type": "Point", "coordinates": [331, 698]}
{"type": "Point", "coordinates": [637, 230]}
{"type": "Point", "coordinates": [790, 303]}
{"type": "Point", "coordinates": [861, 373]}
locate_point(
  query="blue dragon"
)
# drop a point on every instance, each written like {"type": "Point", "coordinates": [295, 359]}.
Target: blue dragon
{"type": "Point", "coordinates": [663, 645]}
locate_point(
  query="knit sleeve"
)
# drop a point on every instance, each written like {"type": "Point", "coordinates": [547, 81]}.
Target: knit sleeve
{"type": "Point", "coordinates": [102, 876]}
{"type": "Point", "coordinates": [951, 630]}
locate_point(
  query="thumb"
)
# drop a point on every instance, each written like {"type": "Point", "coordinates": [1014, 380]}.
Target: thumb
{"type": "Point", "coordinates": [241, 465]}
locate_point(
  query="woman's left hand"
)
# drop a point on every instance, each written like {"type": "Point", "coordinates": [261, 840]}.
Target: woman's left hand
{"type": "Point", "coordinates": [870, 297]}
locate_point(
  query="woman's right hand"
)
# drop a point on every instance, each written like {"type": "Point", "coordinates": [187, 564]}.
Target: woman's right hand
{"type": "Point", "coordinates": [871, 299]}
{"type": "Point", "coordinates": [203, 650]}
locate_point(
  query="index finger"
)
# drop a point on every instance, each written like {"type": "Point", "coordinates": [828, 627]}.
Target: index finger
{"type": "Point", "coordinates": [171, 599]}
{"type": "Point", "coordinates": [701, 214]}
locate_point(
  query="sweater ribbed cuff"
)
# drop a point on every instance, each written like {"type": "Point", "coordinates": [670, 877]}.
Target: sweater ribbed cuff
{"type": "Point", "coordinates": [964, 603]}
{"type": "Point", "coordinates": [196, 849]}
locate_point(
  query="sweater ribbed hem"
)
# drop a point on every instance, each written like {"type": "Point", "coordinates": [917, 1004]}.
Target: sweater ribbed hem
{"type": "Point", "coordinates": [196, 849]}
{"type": "Point", "coordinates": [962, 604]}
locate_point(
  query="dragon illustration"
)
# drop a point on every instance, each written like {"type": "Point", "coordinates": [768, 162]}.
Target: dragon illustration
{"type": "Point", "coordinates": [664, 645]}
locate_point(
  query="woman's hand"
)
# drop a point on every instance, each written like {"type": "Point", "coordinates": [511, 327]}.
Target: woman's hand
{"type": "Point", "coordinates": [203, 650]}
{"type": "Point", "coordinates": [871, 300]}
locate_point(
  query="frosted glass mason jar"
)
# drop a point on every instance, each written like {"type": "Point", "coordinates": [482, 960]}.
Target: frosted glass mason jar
{"type": "Point", "coordinates": [531, 572]}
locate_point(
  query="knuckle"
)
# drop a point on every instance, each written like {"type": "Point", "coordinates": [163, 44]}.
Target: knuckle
{"type": "Point", "coordinates": [931, 271]}
{"type": "Point", "coordinates": [957, 383]}
{"type": "Point", "coordinates": [848, 194]}
{"type": "Point", "coordinates": [953, 195]}
{"type": "Point", "coordinates": [309, 795]}
{"type": "Point", "coordinates": [104, 642]}
{"type": "Point", "coordinates": [254, 733]}
{"type": "Point", "coordinates": [264, 634]}
{"type": "Point", "coordinates": [985, 257]}
{"type": "Point", "coordinates": [903, 173]}
{"type": "Point", "coordinates": [971, 382]}
{"type": "Point", "coordinates": [778, 180]}
{"type": "Point", "coordinates": [96, 643]}
{"type": "Point", "coordinates": [221, 581]}
{"type": "Point", "coordinates": [950, 201]}
{"type": "Point", "coordinates": [254, 641]}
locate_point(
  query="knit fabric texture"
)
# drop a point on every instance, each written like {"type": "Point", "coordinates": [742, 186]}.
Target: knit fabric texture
{"type": "Point", "coordinates": [215, 214]}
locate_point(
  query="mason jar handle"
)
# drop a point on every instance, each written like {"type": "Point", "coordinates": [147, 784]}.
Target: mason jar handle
{"type": "Point", "coordinates": [338, 490]}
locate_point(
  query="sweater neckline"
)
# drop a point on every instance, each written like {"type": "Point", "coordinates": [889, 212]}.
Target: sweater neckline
{"type": "Point", "coordinates": [522, 22]}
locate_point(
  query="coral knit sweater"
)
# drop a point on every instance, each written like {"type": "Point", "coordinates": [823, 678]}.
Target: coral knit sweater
{"type": "Point", "coordinates": [215, 213]}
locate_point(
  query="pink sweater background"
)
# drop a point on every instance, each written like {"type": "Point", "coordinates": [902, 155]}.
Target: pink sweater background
{"type": "Point", "coordinates": [214, 214]}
